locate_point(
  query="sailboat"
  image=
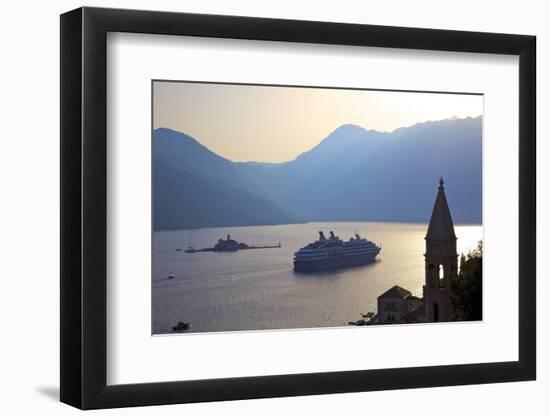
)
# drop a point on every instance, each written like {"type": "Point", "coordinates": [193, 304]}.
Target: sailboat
{"type": "Point", "coordinates": [190, 249]}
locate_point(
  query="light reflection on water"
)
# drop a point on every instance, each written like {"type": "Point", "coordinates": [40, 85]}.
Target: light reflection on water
{"type": "Point", "coordinates": [257, 289]}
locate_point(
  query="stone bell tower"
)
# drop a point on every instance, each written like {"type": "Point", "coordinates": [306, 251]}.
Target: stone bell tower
{"type": "Point", "coordinates": [441, 260]}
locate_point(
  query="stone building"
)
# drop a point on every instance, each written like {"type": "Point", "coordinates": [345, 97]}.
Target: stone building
{"type": "Point", "coordinates": [395, 304]}
{"type": "Point", "coordinates": [441, 260]}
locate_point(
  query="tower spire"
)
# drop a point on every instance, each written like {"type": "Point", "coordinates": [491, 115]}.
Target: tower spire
{"type": "Point", "coordinates": [441, 223]}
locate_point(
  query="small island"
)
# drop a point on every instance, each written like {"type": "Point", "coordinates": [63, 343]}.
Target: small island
{"type": "Point", "coordinates": [230, 245]}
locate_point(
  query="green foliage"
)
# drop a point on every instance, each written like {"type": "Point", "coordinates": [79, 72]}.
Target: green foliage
{"type": "Point", "coordinates": [467, 288]}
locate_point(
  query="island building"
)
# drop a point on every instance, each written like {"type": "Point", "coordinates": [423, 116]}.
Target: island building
{"type": "Point", "coordinates": [398, 305]}
{"type": "Point", "coordinates": [227, 245]}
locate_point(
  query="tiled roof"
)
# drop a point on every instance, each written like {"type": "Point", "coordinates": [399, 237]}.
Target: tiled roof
{"type": "Point", "coordinates": [395, 292]}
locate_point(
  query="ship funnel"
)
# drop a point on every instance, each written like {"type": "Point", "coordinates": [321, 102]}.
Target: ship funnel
{"type": "Point", "coordinates": [322, 235]}
{"type": "Point", "coordinates": [332, 234]}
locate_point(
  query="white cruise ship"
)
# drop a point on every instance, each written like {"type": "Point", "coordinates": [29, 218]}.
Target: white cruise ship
{"type": "Point", "coordinates": [335, 253]}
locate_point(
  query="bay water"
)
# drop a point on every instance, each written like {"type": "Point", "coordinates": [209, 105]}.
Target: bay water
{"type": "Point", "coordinates": [258, 289]}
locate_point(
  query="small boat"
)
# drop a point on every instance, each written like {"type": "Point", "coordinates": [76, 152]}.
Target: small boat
{"type": "Point", "coordinates": [182, 325]}
{"type": "Point", "coordinates": [190, 249]}
{"type": "Point", "coordinates": [171, 276]}
{"type": "Point", "coordinates": [178, 249]}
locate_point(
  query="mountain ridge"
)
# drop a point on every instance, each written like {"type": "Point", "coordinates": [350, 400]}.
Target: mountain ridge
{"type": "Point", "coordinates": [353, 173]}
{"type": "Point", "coordinates": [345, 125]}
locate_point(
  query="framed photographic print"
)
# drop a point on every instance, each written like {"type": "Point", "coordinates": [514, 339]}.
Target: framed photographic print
{"type": "Point", "coordinates": [258, 207]}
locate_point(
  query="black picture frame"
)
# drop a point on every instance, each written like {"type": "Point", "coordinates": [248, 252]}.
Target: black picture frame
{"type": "Point", "coordinates": [84, 207]}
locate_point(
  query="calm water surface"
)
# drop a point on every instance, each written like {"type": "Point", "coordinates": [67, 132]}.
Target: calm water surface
{"type": "Point", "coordinates": [257, 289]}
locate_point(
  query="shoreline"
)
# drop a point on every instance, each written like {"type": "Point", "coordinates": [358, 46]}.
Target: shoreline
{"type": "Point", "coordinates": [313, 223]}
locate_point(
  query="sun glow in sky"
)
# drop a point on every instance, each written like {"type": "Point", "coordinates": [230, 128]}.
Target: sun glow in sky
{"type": "Point", "coordinates": [276, 124]}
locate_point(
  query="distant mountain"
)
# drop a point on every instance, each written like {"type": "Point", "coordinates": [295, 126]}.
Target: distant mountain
{"type": "Point", "coordinates": [353, 174]}
{"type": "Point", "coordinates": [206, 198]}
{"type": "Point", "coordinates": [305, 185]}
{"type": "Point", "coordinates": [181, 151]}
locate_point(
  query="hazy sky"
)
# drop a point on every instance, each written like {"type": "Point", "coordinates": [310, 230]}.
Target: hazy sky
{"type": "Point", "coordinates": [275, 124]}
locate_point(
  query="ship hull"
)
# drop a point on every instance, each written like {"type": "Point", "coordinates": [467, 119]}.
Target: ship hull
{"type": "Point", "coordinates": [334, 262]}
